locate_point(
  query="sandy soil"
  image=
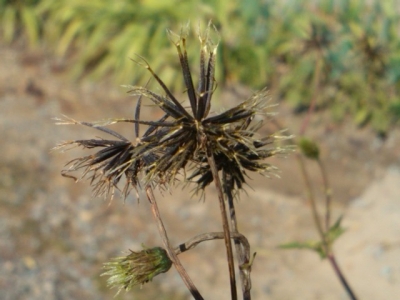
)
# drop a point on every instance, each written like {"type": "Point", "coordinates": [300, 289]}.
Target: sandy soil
{"type": "Point", "coordinates": [54, 236]}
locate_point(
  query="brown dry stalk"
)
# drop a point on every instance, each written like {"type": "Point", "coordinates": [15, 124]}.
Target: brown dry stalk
{"type": "Point", "coordinates": [193, 242]}
{"type": "Point", "coordinates": [225, 224]}
{"type": "Point", "coordinates": [171, 253]}
{"type": "Point", "coordinates": [243, 256]}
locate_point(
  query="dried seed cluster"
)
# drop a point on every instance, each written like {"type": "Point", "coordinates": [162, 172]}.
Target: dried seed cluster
{"type": "Point", "coordinates": [181, 137]}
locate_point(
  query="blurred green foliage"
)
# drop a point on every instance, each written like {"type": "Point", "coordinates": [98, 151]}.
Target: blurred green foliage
{"type": "Point", "coordinates": [342, 54]}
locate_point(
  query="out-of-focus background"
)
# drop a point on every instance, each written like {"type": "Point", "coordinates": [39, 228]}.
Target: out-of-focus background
{"type": "Point", "coordinates": [70, 58]}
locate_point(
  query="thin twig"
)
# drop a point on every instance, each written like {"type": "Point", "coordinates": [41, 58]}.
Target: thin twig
{"type": "Point", "coordinates": [312, 203]}
{"type": "Point", "coordinates": [225, 224]}
{"type": "Point", "coordinates": [193, 242]}
{"type": "Point", "coordinates": [326, 245]}
{"type": "Point", "coordinates": [171, 253]}
{"type": "Point", "coordinates": [342, 279]}
{"type": "Point", "coordinates": [328, 194]}
{"type": "Point", "coordinates": [242, 256]}
{"type": "Point", "coordinates": [331, 255]}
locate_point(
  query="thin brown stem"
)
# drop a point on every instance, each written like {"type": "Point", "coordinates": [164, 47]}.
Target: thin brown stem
{"type": "Point", "coordinates": [193, 242]}
{"type": "Point", "coordinates": [328, 193]}
{"type": "Point", "coordinates": [242, 256]}
{"type": "Point", "coordinates": [312, 203]}
{"type": "Point", "coordinates": [326, 245]}
{"type": "Point", "coordinates": [342, 279]}
{"type": "Point", "coordinates": [171, 253]}
{"type": "Point", "coordinates": [225, 224]}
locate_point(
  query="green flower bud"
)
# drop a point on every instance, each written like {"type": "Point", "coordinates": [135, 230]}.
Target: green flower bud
{"type": "Point", "coordinates": [137, 268]}
{"type": "Point", "coordinates": [309, 148]}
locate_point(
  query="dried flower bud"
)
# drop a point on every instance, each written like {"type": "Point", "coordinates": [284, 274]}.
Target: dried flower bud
{"type": "Point", "coordinates": [136, 268]}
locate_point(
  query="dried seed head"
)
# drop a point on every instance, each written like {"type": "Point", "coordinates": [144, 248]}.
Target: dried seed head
{"type": "Point", "coordinates": [182, 137]}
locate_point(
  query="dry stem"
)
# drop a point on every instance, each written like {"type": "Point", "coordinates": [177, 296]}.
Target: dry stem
{"type": "Point", "coordinates": [242, 255]}
{"type": "Point", "coordinates": [171, 253]}
{"type": "Point", "coordinates": [225, 224]}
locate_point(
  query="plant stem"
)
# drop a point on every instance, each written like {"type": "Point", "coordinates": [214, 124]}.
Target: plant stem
{"type": "Point", "coordinates": [331, 255]}
{"type": "Point", "coordinates": [312, 203]}
{"type": "Point", "coordinates": [193, 242]}
{"type": "Point", "coordinates": [242, 256]}
{"type": "Point", "coordinates": [326, 245]}
{"type": "Point", "coordinates": [342, 279]}
{"type": "Point", "coordinates": [225, 224]}
{"type": "Point", "coordinates": [171, 253]}
{"type": "Point", "coordinates": [328, 195]}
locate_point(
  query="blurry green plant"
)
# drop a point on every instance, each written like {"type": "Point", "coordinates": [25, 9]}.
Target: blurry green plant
{"type": "Point", "coordinates": [327, 232]}
{"type": "Point", "coordinates": [18, 17]}
{"type": "Point", "coordinates": [344, 53]}
{"type": "Point", "coordinates": [102, 35]}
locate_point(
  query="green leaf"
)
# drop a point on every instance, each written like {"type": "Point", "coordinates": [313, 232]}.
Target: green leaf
{"type": "Point", "coordinates": [31, 24]}
{"type": "Point", "coordinates": [309, 245]}
{"type": "Point", "coordinates": [362, 117]}
{"type": "Point", "coordinates": [72, 30]}
{"type": "Point", "coordinates": [380, 121]}
{"type": "Point", "coordinates": [9, 23]}
{"type": "Point", "coordinates": [357, 29]}
{"type": "Point", "coordinates": [335, 231]}
{"type": "Point", "coordinates": [395, 110]}
{"type": "Point", "coordinates": [332, 235]}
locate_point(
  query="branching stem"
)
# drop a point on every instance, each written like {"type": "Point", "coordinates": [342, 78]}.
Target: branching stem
{"type": "Point", "coordinates": [193, 242]}
{"type": "Point", "coordinates": [171, 253]}
{"type": "Point", "coordinates": [326, 245]}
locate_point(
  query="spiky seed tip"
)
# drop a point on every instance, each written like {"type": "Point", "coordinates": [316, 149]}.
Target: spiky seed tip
{"type": "Point", "coordinates": [136, 268]}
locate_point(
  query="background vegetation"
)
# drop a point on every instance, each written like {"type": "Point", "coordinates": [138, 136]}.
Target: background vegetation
{"type": "Point", "coordinates": [344, 54]}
